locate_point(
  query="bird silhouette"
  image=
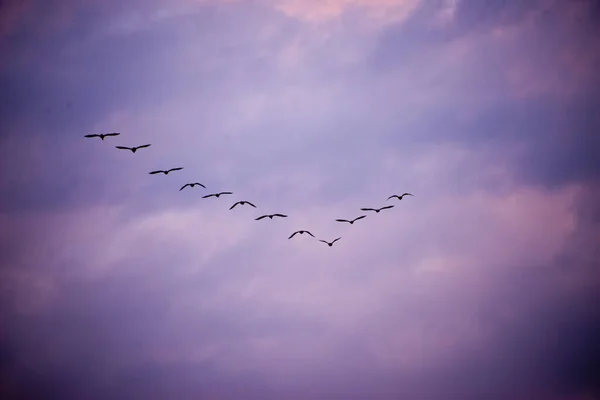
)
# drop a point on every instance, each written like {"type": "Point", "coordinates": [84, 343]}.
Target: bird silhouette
{"type": "Point", "coordinates": [376, 209]}
{"type": "Point", "coordinates": [167, 171]}
{"type": "Point", "coordinates": [270, 216]}
{"type": "Point", "coordinates": [352, 221]}
{"type": "Point", "coordinates": [133, 149]}
{"type": "Point", "coordinates": [300, 232]}
{"type": "Point", "coordinates": [102, 135]}
{"type": "Point", "coordinates": [192, 185]}
{"type": "Point", "coordinates": [215, 195]}
{"type": "Point", "coordinates": [241, 203]}
{"type": "Point", "coordinates": [399, 197]}
{"type": "Point", "coordinates": [330, 243]}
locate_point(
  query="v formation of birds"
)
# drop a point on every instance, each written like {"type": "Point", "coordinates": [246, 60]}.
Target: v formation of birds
{"type": "Point", "coordinates": [133, 149]}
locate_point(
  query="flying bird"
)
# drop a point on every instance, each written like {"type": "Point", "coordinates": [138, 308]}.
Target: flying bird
{"type": "Point", "coordinates": [352, 221]}
{"type": "Point", "coordinates": [133, 149]}
{"type": "Point", "coordinates": [330, 244]}
{"type": "Point", "coordinates": [300, 232]}
{"type": "Point", "coordinates": [192, 185]}
{"type": "Point", "coordinates": [399, 197]}
{"type": "Point", "coordinates": [215, 195]}
{"type": "Point", "coordinates": [270, 216]}
{"type": "Point", "coordinates": [167, 171]}
{"type": "Point", "coordinates": [376, 209]}
{"type": "Point", "coordinates": [241, 203]}
{"type": "Point", "coordinates": [102, 135]}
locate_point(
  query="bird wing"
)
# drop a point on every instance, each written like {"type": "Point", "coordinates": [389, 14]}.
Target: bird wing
{"type": "Point", "coordinates": [367, 209]}
{"type": "Point", "coordinates": [208, 195]}
{"type": "Point", "coordinates": [184, 186]}
{"type": "Point", "coordinates": [386, 207]}
{"type": "Point", "coordinates": [112, 134]}
{"type": "Point", "coordinates": [324, 241]}
{"type": "Point", "coordinates": [156, 172]}
{"type": "Point", "coordinates": [225, 193]}
{"type": "Point", "coordinates": [408, 194]}
{"type": "Point", "coordinates": [143, 146]}
{"type": "Point", "coordinates": [250, 204]}
{"type": "Point", "coordinates": [361, 217]}
{"type": "Point", "coordinates": [310, 233]}
{"type": "Point", "coordinates": [175, 169]}
{"type": "Point", "coordinates": [391, 197]}
{"type": "Point", "coordinates": [336, 240]}
{"type": "Point", "coordinates": [292, 235]}
{"type": "Point", "coordinates": [261, 217]}
{"type": "Point", "coordinates": [92, 135]}
{"type": "Point", "coordinates": [342, 220]}
{"type": "Point", "coordinates": [280, 215]}
{"type": "Point", "coordinates": [235, 204]}
{"type": "Point", "coordinates": [199, 184]}
{"type": "Point", "coordinates": [123, 148]}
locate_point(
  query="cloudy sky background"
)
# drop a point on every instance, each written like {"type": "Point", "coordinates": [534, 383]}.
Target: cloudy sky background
{"type": "Point", "coordinates": [115, 285]}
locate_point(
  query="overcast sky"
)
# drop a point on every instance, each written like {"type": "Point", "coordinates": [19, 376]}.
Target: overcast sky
{"type": "Point", "coordinates": [483, 285]}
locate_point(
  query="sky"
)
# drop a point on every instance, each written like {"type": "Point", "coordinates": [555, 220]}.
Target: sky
{"type": "Point", "coordinates": [483, 285]}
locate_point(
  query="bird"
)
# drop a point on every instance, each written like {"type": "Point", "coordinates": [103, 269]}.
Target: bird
{"type": "Point", "coordinates": [167, 171]}
{"type": "Point", "coordinates": [102, 135]}
{"type": "Point", "coordinates": [300, 232]}
{"type": "Point", "coordinates": [241, 203]}
{"type": "Point", "coordinates": [400, 196]}
{"type": "Point", "coordinates": [215, 194]}
{"type": "Point", "coordinates": [192, 185]}
{"type": "Point", "coordinates": [270, 216]}
{"type": "Point", "coordinates": [133, 149]}
{"type": "Point", "coordinates": [376, 209]}
{"type": "Point", "coordinates": [352, 221]}
{"type": "Point", "coordinates": [330, 244]}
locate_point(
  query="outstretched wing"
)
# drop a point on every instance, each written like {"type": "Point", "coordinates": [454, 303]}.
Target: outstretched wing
{"type": "Point", "coordinates": [310, 233]}
{"type": "Point", "coordinates": [157, 172]}
{"type": "Point", "coordinates": [209, 195]}
{"type": "Point", "coordinates": [336, 240]}
{"type": "Point", "coordinates": [184, 186]}
{"type": "Point", "coordinates": [250, 204]}
{"type": "Point", "coordinates": [112, 134]}
{"type": "Point", "coordinates": [199, 184]}
{"type": "Point", "coordinates": [231, 208]}
{"type": "Point", "coordinates": [123, 148]}
{"type": "Point", "coordinates": [408, 194]}
{"type": "Point", "coordinates": [392, 196]}
{"type": "Point", "coordinates": [324, 241]}
{"type": "Point", "coordinates": [225, 193]}
{"type": "Point", "coordinates": [367, 209]}
{"type": "Point", "coordinates": [261, 217]}
{"type": "Point", "coordinates": [143, 146]}
{"type": "Point", "coordinates": [361, 217]}
{"type": "Point", "coordinates": [292, 235]}
{"type": "Point", "coordinates": [342, 220]}
{"type": "Point", "coordinates": [386, 207]}
{"type": "Point", "coordinates": [92, 135]}
{"type": "Point", "coordinates": [175, 169]}
{"type": "Point", "coordinates": [280, 215]}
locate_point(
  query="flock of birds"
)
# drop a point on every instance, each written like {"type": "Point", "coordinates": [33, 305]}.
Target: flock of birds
{"type": "Point", "coordinates": [102, 136]}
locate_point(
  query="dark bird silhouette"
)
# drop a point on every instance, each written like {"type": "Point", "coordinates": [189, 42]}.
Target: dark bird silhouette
{"type": "Point", "coordinates": [300, 232]}
{"type": "Point", "coordinates": [352, 221]}
{"type": "Point", "coordinates": [167, 171]}
{"type": "Point", "coordinates": [215, 195]}
{"type": "Point", "coordinates": [330, 244]}
{"type": "Point", "coordinates": [192, 185]}
{"type": "Point", "coordinates": [102, 135]}
{"type": "Point", "coordinates": [399, 197]}
{"type": "Point", "coordinates": [270, 216]}
{"type": "Point", "coordinates": [376, 209]}
{"type": "Point", "coordinates": [133, 149]}
{"type": "Point", "coordinates": [241, 203]}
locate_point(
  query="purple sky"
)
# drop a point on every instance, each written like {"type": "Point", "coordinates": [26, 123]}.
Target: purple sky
{"type": "Point", "coordinates": [484, 285]}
